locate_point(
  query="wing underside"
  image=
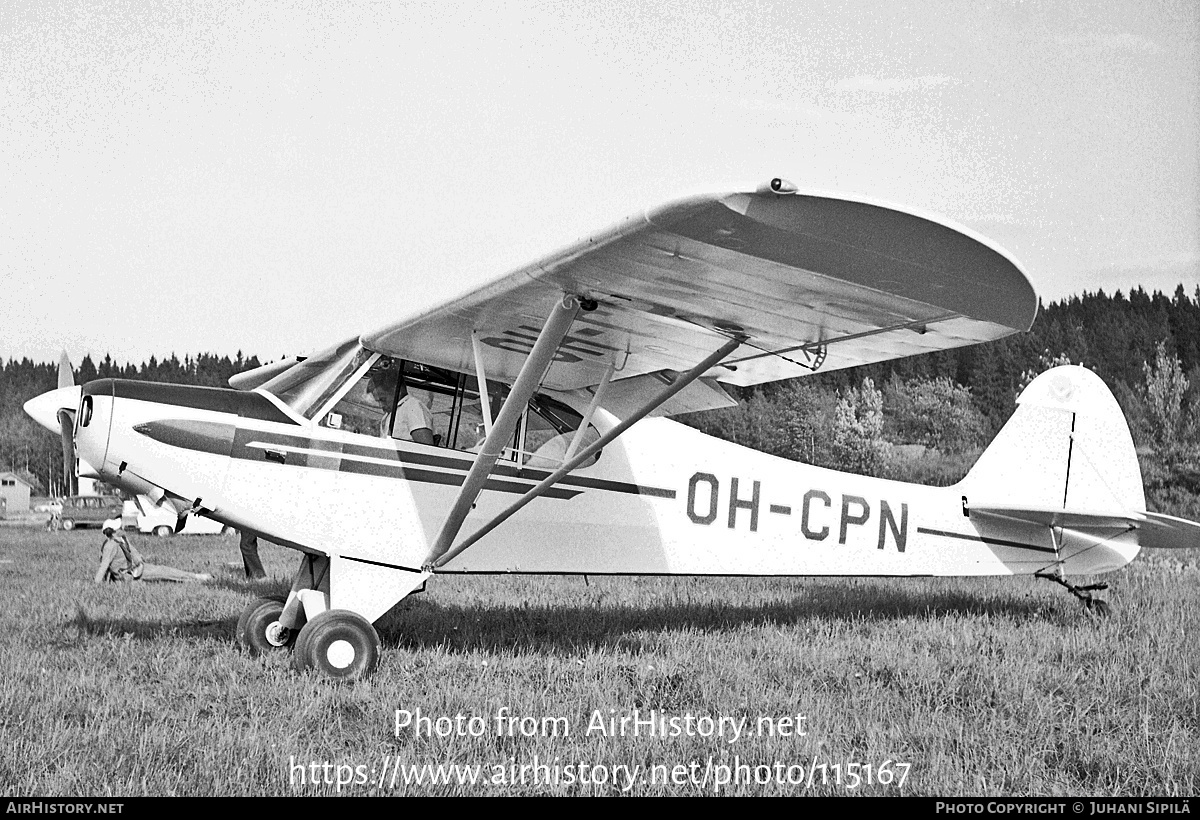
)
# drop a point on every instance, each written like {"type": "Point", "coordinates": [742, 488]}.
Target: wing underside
{"type": "Point", "coordinates": [810, 282]}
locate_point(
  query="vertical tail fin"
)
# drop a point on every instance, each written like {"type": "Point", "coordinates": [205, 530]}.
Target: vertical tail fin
{"type": "Point", "coordinates": [1067, 447]}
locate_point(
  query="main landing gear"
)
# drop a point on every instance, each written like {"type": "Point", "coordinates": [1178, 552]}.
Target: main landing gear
{"type": "Point", "coordinates": [339, 644]}
{"type": "Point", "coordinates": [336, 642]}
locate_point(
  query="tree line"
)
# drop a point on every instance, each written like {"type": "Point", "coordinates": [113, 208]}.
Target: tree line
{"type": "Point", "coordinates": [35, 453]}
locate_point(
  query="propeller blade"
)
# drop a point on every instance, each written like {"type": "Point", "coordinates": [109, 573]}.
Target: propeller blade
{"type": "Point", "coordinates": [66, 423]}
{"type": "Point", "coordinates": [66, 374]}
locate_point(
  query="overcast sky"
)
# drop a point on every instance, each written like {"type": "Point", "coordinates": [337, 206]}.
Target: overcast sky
{"type": "Point", "coordinates": [209, 177]}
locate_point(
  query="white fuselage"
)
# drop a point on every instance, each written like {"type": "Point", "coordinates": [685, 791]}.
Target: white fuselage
{"type": "Point", "coordinates": [662, 499]}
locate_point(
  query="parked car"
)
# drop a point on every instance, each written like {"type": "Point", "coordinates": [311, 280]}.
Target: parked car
{"type": "Point", "coordinates": [88, 510]}
{"type": "Point", "coordinates": [160, 519]}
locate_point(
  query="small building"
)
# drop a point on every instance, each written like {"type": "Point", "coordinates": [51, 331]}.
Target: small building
{"type": "Point", "coordinates": [15, 492]}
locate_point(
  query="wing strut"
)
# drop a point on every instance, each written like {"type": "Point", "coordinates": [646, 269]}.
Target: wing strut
{"type": "Point", "coordinates": [553, 332]}
{"type": "Point", "coordinates": [485, 399]}
{"type": "Point", "coordinates": [601, 389]}
{"type": "Point", "coordinates": [440, 557]}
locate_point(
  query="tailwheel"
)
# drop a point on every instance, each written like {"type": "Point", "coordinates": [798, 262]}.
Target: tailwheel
{"type": "Point", "coordinates": [339, 644]}
{"type": "Point", "coordinates": [1097, 606]}
{"type": "Point", "coordinates": [259, 630]}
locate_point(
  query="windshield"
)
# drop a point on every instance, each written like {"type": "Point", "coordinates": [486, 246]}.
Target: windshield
{"type": "Point", "coordinates": [308, 385]}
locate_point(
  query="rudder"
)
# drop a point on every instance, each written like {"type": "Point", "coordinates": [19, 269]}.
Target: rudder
{"type": "Point", "coordinates": [1067, 446]}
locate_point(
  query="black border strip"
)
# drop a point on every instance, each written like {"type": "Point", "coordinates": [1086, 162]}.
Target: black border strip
{"type": "Point", "coordinates": [995, 541]}
{"type": "Point", "coordinates": [509, 471]}
{"type": "Point", "coordinates": [386, 462]}
{"type": "Point", "coordinates": [381, 564]}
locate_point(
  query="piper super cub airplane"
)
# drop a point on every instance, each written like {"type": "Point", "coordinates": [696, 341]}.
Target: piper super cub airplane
{"type": "Point", "coordinates": [541, 453]}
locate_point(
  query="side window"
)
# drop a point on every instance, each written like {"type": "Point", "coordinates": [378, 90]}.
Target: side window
{"type": "Point", "coordinates": [361, 410]}
{"type": "Point", "coordinates": [550, 427]}
{"type": "Point", "coordinates": [397, 399]}
{"type": "Point", "coordinates": [440, 407]}
{"type": "Point", "coordinates": [469, 433]}
{"type": "Point", "coordinates": [415, 402]}
{"type": "Point", "coordinates": [469, 429]}
{"type": "Point", "coordinates": [425, 398]}
{"type": "Point", "coordinates": [539, 433]}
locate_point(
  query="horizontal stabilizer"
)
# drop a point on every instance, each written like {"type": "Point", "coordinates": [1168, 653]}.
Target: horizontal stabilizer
{"type": "Point", "coordinates": [1168, 532]}
{"type": "Point", "coordinates": [1059, 517]}
{"type": "Point", "coordinates": [1153, 529]}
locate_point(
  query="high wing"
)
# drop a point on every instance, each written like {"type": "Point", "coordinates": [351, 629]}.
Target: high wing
{"type": "Point", "coordinates": [808, 281]}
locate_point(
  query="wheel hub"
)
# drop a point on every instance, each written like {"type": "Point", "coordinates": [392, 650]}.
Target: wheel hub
{"type": "Point", "coordinates": [340, 654]}
{"type": "Point", "coordinates": [277, 634]}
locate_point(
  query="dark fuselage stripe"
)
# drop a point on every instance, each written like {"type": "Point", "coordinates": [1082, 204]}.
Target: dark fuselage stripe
{"type": "Point", "coordinates": [380, 564]}
{"type": "Point", "coordinates": [999, 542]}
{"type": "Point", "coordinates": [449, 479]}
{"type": "Point", "coordinates": [505, 470]}
{"type": "Point", "coordinates": [289, 449]}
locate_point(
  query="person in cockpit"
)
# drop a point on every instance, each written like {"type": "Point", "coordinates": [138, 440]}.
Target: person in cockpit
{"type": "Point", "coordinates": [410, 419]}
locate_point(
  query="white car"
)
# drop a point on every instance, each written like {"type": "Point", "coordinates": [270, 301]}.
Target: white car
{"type": "Point", "coordinates": [159, 519]}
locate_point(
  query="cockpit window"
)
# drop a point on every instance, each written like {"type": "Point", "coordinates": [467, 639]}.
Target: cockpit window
{"type": "Point", "coordinates": [382, 397]}
{"type": "Point", "coordinates": [308, 385]}
{"type": "Point", "coordinates": [400, 400]}
{"type": "Point", "coordinates": [550, 427]}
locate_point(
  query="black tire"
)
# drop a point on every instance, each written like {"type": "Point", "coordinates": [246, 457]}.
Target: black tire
{"type": "Point", "coordinates": [163, 531]}
{"type": "Point", "coordinates": [258, 627]}
{"type": "Point", "coordinates": [339, 644]}
{"type": "Point", "coordinates": [67, 524]}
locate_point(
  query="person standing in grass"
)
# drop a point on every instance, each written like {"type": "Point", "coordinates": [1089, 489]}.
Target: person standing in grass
{"type": "Point", "coordinates": [120, 561]}
{"type": "Point", "coordinates": [248, 544]}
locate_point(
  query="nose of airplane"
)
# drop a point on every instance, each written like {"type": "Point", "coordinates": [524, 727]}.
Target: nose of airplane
{"type": "Point", "coordinates": [55, 410]}
{"type": "Point", "coordinates": [44, 408]}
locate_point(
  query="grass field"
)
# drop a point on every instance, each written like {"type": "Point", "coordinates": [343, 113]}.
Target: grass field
{"type": "Point", "coordinates": [954, 687]}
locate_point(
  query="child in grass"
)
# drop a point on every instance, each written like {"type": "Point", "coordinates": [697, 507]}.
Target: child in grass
{"type": "Point", "coordinates": [120, 561]}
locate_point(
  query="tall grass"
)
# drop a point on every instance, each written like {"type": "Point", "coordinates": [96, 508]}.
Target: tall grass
{"type": "Point", "coordinates": [984, 686]}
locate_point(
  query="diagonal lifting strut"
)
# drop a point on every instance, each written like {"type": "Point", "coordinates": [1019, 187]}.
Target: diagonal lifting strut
{"type": "Point", "coordinates": [551, 336]}
{"type": "Point", "coordinates": [553, 332]}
